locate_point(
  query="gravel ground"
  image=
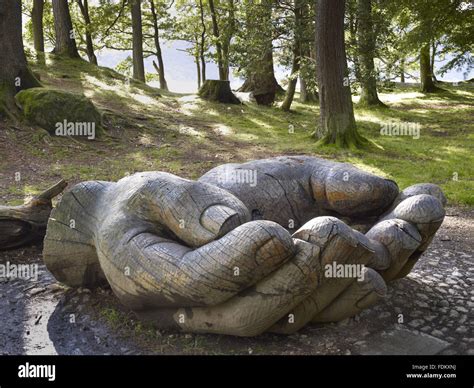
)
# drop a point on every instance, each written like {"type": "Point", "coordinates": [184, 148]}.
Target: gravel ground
{"type": "Point", "coordinates": [428, 312]}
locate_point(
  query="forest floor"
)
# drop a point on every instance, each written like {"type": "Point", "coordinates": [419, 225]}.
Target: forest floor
{"type": "Point", "coordinates": [148, 129]}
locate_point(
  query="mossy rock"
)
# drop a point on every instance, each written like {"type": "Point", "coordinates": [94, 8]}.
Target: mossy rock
{"type": "Point", "coordinates": [56, 110]}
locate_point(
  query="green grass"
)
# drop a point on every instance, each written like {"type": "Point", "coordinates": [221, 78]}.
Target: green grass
{"type": "Point", "coordinates": [148, 129]}
{"type": "Point", "coordinates": [443, 153]}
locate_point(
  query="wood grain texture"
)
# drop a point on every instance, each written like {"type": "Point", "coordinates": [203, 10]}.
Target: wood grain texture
{"type": "Point", "coordinates": [217, 256]}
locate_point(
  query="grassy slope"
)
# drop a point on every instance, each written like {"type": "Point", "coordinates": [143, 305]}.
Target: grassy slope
{"type": "Point", "coordinates": [186, 136]}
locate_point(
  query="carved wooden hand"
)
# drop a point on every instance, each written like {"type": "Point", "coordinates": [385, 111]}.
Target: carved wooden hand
{"type": "Point", "coordinates": [217, 256]}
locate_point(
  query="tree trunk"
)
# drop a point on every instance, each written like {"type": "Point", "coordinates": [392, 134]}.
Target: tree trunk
{"type": "Point", "coordinates": [260, 75]}
{"type": "Point", "coordinates": [203, 43]}
{"type": "Point", "coordinates": [65, 42]}
{"type": "Point", "coordinates": [308, 77]}
{"type": "Point", "coordinates": [307, 95]}
{"type": "Point", "coordinates": [84, 7]}
{"type": "Point", "coordinates": [227, 34]}
{"type": "Point", "coordinates": [366, 51]}
{"type": "Point", "coordinates": [138, 65]}
{"type": "Point", "coordinates": [249, 84]}
{"type": "Point", "coordinates": [303, 89]}
{"type": "Point", "coordinates": [402, 70]}
{"type": "Point", "coordinates": [296, 65]}
{"type": "Point", "coordinates": [337, 122]}
{"type": "Point", "coordinates": [426, 74]}
{"type": "Point", "coordinates": [290, 91]}
{"type": "Point", "coordinates": [432, 62]}
{"type": "Point", "coordinates": [218, 91]}
{"type": "Point", "coordinates": [198, 71]}
{"type": "Point", "coordinates": [21, 225]}
{"type": "Point", "coordinates": [215, 31]}
{"type": "Point", "coordinates": [159, 56]}
{"type": "Point", "coordinates": [37, 22]}
{"type": "Point", "coordinates": [14, 72]}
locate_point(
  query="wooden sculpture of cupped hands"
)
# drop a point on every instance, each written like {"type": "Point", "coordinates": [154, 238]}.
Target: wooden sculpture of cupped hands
{"type": "Point", "coordinates": [217, 256]}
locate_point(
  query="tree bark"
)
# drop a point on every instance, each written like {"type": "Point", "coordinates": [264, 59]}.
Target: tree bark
{"type": "Point", "coordinates": [296, 65]}
{"type": "Point", "coordinates": [159, 55]}
{"type": "Point", "coordinates": [14, 72]}
{"type": "Point", "coordinates": [228, 32]}
{"type": "Point", "coordinates": [218, 91]}
{"type": "Point", "coordinates": [65, 42]}
{"type": "Point", "coordinates": [337, 122]}
{"type": "Point", "coordinates": [307, 94]}
{"type": "Point", "coordinates": [37, 22]}
{"type": "Point", "coordinates": [290, 91]}
{"type": "Point", "coordinates": [366, 51]}
{"type": "Point", "coordinates": [203, 43]}
{"type": "Point", "coordinates": [138, 64]}
{"type": "Point", "coordinates": [260, 75]}
{"type": "Point", "coordinates": [402, 70]}
{"type": "Point", "coordinates": [84, 7]}
{"type": "Point", "coordinates": [215, 30]}
{"type": "Point", "coordinates": [426, 73]}
{"type": "Point", "coordinates": [432, 61]}
{"type": "Point", "coordinates": [308, 77]}
{"type": "Point", "coordinates": [198, 71]}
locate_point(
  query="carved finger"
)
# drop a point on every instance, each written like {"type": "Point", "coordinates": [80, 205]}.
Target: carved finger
{"type": "Point", "coordinates": [426, 213]}
{"type": "Point", "coordinates": [255, 309]}
{"type": "Point", "coordinates": [146, 270]}
{"type": "Point", "coordinates": [196, 213]}
{"type": "Point", "coordinates": [293, 190]}
{"type": "Point", "coordinates": [339, 245]}
{"type": "Point", "coordinates": [360, 295]}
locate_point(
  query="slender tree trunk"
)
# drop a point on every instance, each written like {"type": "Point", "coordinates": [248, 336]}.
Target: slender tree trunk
{"type": "Point", "coordinates": [159, 55]}
{"type": "Point", "coordinates": [296, 64]}
{"type": "Point", "coordinates": [137, 40]}
{"type": "Point", "coordinates": [366, 51]}
{"type": "Point", "coordinates": [432, 62]}
{"type": "Point", "coordinates": [426, 74]}
{"type": "Point", "coordinates": [37, 22]}
{"type": "Point", "coordinates": [65, 42]}
{"type": "Point", "coordinates": [14, 72]}
{"type": "Point", "coordinates": [290, 91]}
{"type": "Point", "coordinates": [202, 46]}
{"type": "Point", "coordinates": [84, 7]}
{"type": "Point", "coordinates": [308, 77]}
{"type": "Point", "coordinates": [198, 70]}
{"type": "Point", "coordinates": [337, 122]}
{"type": "Point", "coordinates": [303, 89]}
{"type": "Point", "coordinates": [215, 30]}
{"type": "Point", "coordinates": [308, 94]}
{"type": "Point", "coordinates": [402, 70]}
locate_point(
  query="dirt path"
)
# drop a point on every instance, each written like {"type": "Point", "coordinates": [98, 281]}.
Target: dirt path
{"type": "Point", "coordinates": [429, 312]}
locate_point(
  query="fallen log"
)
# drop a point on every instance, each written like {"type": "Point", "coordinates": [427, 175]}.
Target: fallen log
{"type": "Point", "coordinates": [25, 224]}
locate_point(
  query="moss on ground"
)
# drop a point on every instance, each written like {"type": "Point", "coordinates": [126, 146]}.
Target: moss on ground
{"type": "Point", "coordinates": [50, 108]}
